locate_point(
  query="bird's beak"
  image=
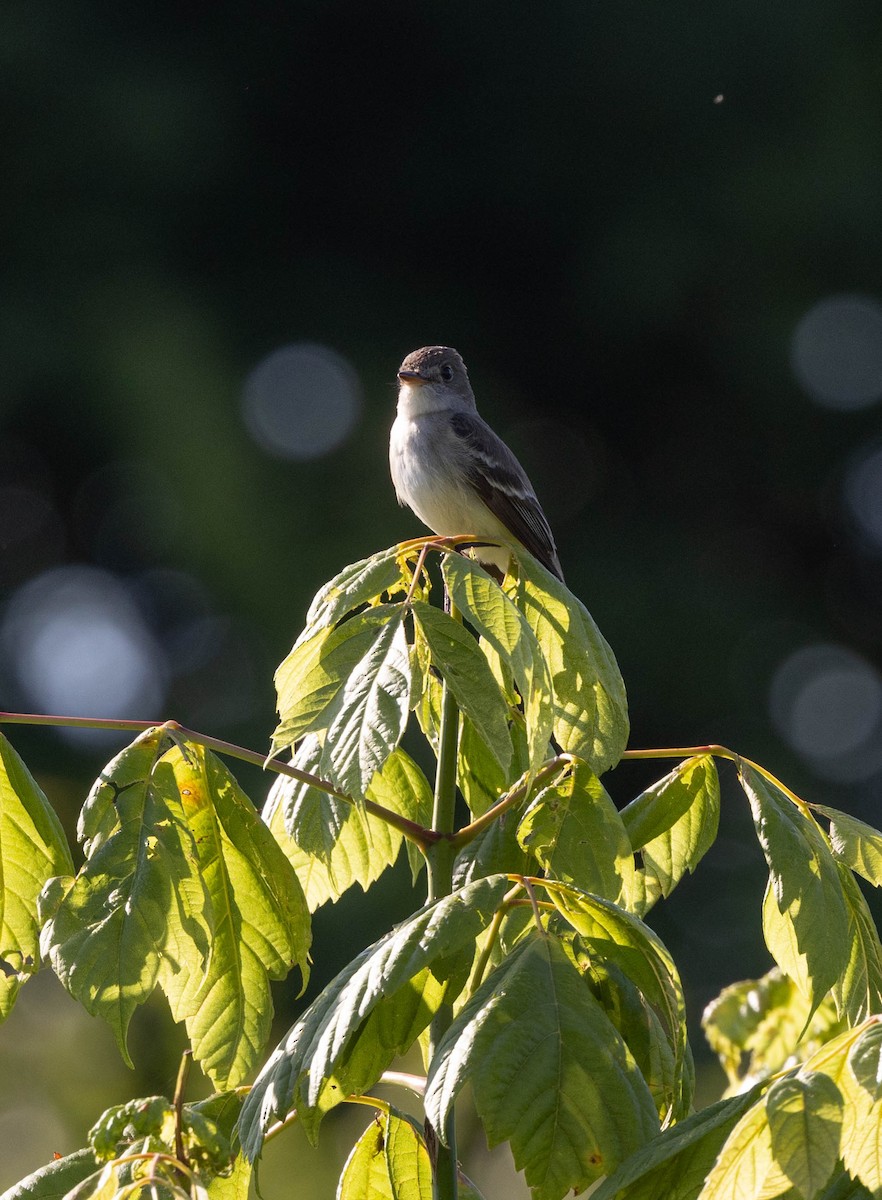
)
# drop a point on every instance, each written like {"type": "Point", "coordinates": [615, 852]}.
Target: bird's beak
{"type": "Point", "coordinates": [410, 377]}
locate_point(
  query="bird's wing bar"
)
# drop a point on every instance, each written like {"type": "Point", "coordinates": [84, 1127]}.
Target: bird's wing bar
{"type": "Point", "coordinates": [499, 480]}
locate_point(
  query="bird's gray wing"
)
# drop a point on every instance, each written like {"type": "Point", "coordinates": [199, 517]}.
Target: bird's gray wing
{"type": "Point", "coordinates": [501, 482]}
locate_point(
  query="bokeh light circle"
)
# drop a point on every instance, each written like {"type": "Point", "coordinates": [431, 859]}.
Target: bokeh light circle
{"type": "Point", "coordinates": [826, 702]}
{"type": "Point", "coordinates": [301, 401]}
{"type": "Point", "coordinates": [862, 493]}
{"type": "Point", "coordinates": [836, 352]}
{"type": "Point", "coordinates": [78, 646]}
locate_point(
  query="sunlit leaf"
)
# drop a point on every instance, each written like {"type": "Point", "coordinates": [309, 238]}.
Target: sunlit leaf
{"type": "Point", "coordinates": [675, 1165]}
{"type": "Point", "coordinates": [758, 1026]}
{"type": "Point", "coordinates": [456, 655]}
{"type": "Point", "coordinates": [505, 629]}
{"type": "Point", "coordinates": [590, 706]}
{"type": "Point", "coordinates": [317, 670]}
{"type": "Point", "coordinates": [33, 848]}
{"type": "Point", "coordinates": [481, 779]}
{"type": "Point", "coordinates": [575, 831]}
{"type": "Point", "coordinates": [333, 844]}
{"type": "Point", "coordinates": [260, 927]}
{"type": "Point", "coordinates": [861, 1134]}
{"type": "Point", "coordinates": [365, 1173]}
{"type": "Point", "coordinates": [857, 844]}
{"type": "Point", "coordinates": [401, 786]}
{"type": "Point", "coordinates": [222, 1110]}
{"type": "Point", "coordinates": [805, 1119]}
{"type": "Point", "coordinates": [861, 1138]}
{"type": "Point", "coordinates": [674, 822]}
{"type": "Point", "coordinates": [746, 1166]}
{"type": "Point", "coordinates": [367, 716]}
{"type": "Point", "coordinates": [358, 584]}
{"type": "Point", "coordinates": [108, 929]}
{"type": "Point", "coordinates": [388, 1162]}
{"type": "Point", "coordinates": [328, 1035]}
{"type": "Point", "coordinates": [407, 1159]}
{"type": "Point", "coordinates": [548, 1072]}
{"type": "Point", "coordinates": [858, 992]}
{"type": "Point", "coordinates": [806, 890]}
{"type": "Point", "coordinates": [496, 848]}
{"type": "Point", "coordinates": [865, 1061]}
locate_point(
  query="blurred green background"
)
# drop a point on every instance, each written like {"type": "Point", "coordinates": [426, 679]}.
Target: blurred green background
{"type": "Point", "coordinates": [653, 232]}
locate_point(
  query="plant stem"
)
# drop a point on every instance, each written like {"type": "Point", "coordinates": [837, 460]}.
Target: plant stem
{"type": "Point", "coordinates": [441, 854]}
{"type": "Point", "coordinates": [515, 796]}
{"type": "Point", "coordinates": [412, 831]}
{"type": "Point", "coordinates": [180, 1087]}
{"type": "Point", "coordinates": [439, 858]}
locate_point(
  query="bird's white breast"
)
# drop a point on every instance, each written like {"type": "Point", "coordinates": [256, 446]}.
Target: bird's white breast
{"type": "Point", "coordinates": [425, 458]}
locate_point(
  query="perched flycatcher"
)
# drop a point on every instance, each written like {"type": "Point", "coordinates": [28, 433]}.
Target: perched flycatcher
{"type": "Point", "coordinates": [453, 471]}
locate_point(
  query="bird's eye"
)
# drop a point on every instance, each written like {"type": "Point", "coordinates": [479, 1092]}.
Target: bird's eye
{"type": "Point", "coordinates": [447, 372]}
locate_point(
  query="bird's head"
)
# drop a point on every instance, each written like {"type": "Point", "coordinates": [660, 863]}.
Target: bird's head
{"type": "Point", "coordinates": [434, 378]}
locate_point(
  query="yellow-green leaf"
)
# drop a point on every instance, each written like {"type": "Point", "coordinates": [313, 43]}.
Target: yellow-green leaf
{"type": "Point", "coordinates": [33, 848]}
{"type": "Point", "coordinates": [590, 705]}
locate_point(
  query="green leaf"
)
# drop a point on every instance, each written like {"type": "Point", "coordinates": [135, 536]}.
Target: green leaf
{"type": "Point", "coordinates": [456, 655]}
{"type": "Point", "coordinates": [366, 718]}
{"type": "Point", "coordinates": [857, 844]}
{"type": "Point", "coordinates": [757, 1026]}
{"type": "Point", "coordinates": [481, 779]}
{"type": "Point", "coordinates": [576, 833]}
{"type": "Point", "coordinates": [861, 1138]}
{"type": "Point", "coordinates": [316, 671]}
{"type": "Point", "coordinates": [365, 1173]}
{"type": "Point", "coordinates": [675, 1165]}
{"type": "Point", "coordinates": [328, 1037]}
{"type": "Point", "coordinates": [358, 584]}
{"type": "Point", "coordinates": [261, 926]}
{"type": "Point", "coordinates": [486, 606]}
{"type": "Point", "coordinates": [388, 1162]}
{"type": "Point", "coordinates": [590, 706]}
{"type": "Point", "coordinates": [865, 1061]}
{"type": "Point", "coordinates": [496, 848]}
{"type": "Point", "coordinates": [33, 848]}
{"type": "Point", "coordinates": [612, 935]}
{"type": "Point", "coordinates": [108, 929]}
{"type": "Point", "coordinates": [805, 1120]}
{"type": "Point", "coordinates": [746, 1165]}
{"type": "Point", "coordinates": [548, 1071]}
{"type": "Point", "coordinates": [407, 1160]}
{"type": "Point", "coordinates": [331, 843]}
{"type": "Point", "coordinates": [56, 1179]}
{"type": "Point", "coordinates": [808, 937]}
{"type": "Point", "coordinates": [675, 821]}
{"type": "Point", "coordinates": [235, 1185]}
{"type": "Point", "coordinates": [858, 992]}
{"type": "Point", "coordinates": [222, 1111]}
{"type": "Point", "coordinates": [401, 786]}
{"type": "Point", "coordinates": [640, 1027]}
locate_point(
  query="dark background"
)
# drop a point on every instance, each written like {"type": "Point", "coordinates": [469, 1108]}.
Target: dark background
{"type": "Point", "coordinates": [653, 233]}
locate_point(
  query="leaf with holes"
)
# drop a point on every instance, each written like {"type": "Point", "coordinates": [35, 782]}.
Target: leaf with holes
{"type": "Point", "coordinates": [260, 926]}
{"type": "Point", "coordinates": [107, 930]}
{"type": "Point", "coordinates": [576, 833]}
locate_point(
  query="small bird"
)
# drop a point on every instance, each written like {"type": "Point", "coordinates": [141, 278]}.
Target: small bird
{"type": "Point", "coordinates": [454, 472]}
